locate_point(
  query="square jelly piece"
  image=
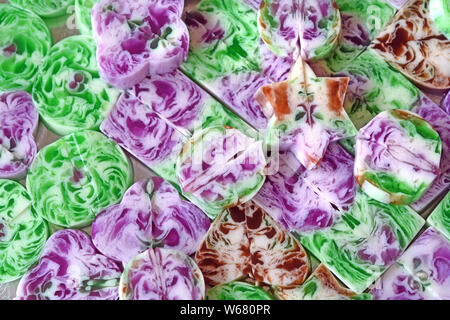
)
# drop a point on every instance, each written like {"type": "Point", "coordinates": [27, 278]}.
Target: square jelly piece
{"type": "Point", "coordinates": [321, 285]}
{"type": "Point", "coordinates": [440, 217]}
{"type": "Point", "coordinates": [227, 56]}
{"type": "Point", "coordinates": [361, 22]}
{"type": "Point", "coordinates": [397, 284]}
{"type": "Point", "coordinates": [440, 120]}
{"type": "Point", "coordinates": [140, 131]}
{"type": "Point", "coordinates": [184, 105]}
{"type": "Point", "coordinates": [306, 200]}
{"type": "Point", "coordinates": [375, 87]}
{"type": "Point", "coordinates": [365, 241]}
{"type": "Point", "coordinates": [420, 273]}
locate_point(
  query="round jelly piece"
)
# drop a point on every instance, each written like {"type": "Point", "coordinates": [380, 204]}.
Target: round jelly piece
{"type": "Point", "coordinates": [309, 27]}
{"type": "Point", "coordinates": [74, 178]}
{"type": "Point", "coordinates": [238, 290]}
{"type": "Point", "coordinates": [278, 26]}
{"type": "Point", "coordinates": [45, 8]}
{"type": "Point", "coordinates": [69, 93]}
{"type": "Point", "coordinates": [22, 232]}
{"type": "Point", "coordinates": [24, 42]}
{"type": "Point", "coordinates": [162, 274]}
{"type": "Point", "coordinates": [222, 167]}
{"type": "Point", "coordinates": [18, 122]}
{"type": "Point", "coordinates": [397, 157]}
{"type": "Point", "coordinates": [70, 268]}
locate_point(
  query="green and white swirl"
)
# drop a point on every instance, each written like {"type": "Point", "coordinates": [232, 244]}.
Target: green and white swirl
{"type": "Point", "coordinates": [45, 8]}
{"type": "Point", "coordinates": [440, 217]}
{"type": "Point", "coordinates": [69, 93]}
{"type": "Point", "coordinates": [365, 241]}
{"type": "Point", "coordinates": [22, 232]}
{"type": "Point", "coordinates": [440, 14]}
{"type": "Point", "coordinates": [83, 10]}
{"type": "Point", "coordinates": [24, 42]}
{"type": "Point", "coordinates": [74, 178]}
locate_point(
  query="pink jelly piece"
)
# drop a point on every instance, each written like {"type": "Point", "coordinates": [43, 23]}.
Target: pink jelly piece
{"type": "Point", "coordinates": [18, 122]}
{"type": "Point", "coordinates": [305, 200]}
{"type": "Point", "coordinates": [70, 268]}
{"type": "Point", "coordinates": [151, 213]}
{"type": "Point", "coordinates": [174, 97]}
{"type": "Point", "coordinates": [421, 273]}
{"type": "Point", "coordinates": [142, 132]}
{"type": "Point", "coordinates": [162, 274]}
{"type": "Point", "coordinates": [440, 120]}
{"type": "Point", "coordinates": [136, 38]}
{"type": "Point", "coordinates": [445, 104]}
{"type": "Point", "coordinates": [291, 26]}
{"type": "Point", "coordinates": [221, 166]}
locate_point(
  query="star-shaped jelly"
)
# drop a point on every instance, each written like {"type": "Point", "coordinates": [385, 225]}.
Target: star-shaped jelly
{"type": "Point", "coordinates": [306, 113]}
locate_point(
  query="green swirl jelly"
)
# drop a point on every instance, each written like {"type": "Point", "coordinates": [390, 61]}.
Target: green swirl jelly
{"type": "Point", "coordinates": [74, 178]}
{"type": "Point", "coordinates": [45, 8]}
{"type": "Point", "coordinates": [22, 232]}
{"type": "Point", "coordinates": [237, 290]}
{"type": "Point", "coordinates": [83, 10]}
{"type": "Point", "coordinates": [24, 42]}
{"type": "Point", "coordinates": [440, 217]}
{"type": "Point", "coordinates": [69, 93]}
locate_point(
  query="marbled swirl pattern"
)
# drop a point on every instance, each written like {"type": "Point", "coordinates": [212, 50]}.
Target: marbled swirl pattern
{"type": "Point", "coordinates": [422, 272]}
{"type": "Point", "coordinates": [222, 167]}
{"type": "Point", "coordinates": [440, 217]}
{"type": "Point", "coordinates": [321, 285]}
{"type": "Point", "coordinates": [140, 131]}
{"type": "Point", "coordinates": [365, 241]}
{"type": "Point", "coordinates": [22, 232]}
{"type": "Point", "coordinates": [45, 8]}
{"type": "Point", "coordinates": [440, 120]}
{"type": "Point", "coordinates": [24, 42]}
{"type": "Point", "coordinates": [246, 241]}
{"type": "Point", "coordinates": [68, 92]}
{"type": "Point", "coordinates": [136, 38]}
{"type": "Point", "coordinates": [307, 200]}
{"type": "Point", "coordinates": [415, 47]}
{"type": "Point", "coordinates": [183, 104]}
{"type": "Point", "coordinates": [150, 214]}
{"type": "Point", "coordinates": [361, 22]}
{"type": "Point", "coordinates": [374, 87]}
{"type": "Point", "coordinates": [288, 27]}
{"type": "Point", "coordinates": [83, 10]}
{"type": "Point", "coordinates": [18, 123]}
{"type": "Point", "coordinates": [74, 178]}
{"type": "Point", "coordinates": [237, 290]}
{"type": "Point", "coordinates": [229, 58]}
{"type": "Point", "coordinates": [397, 157]}
{"type": "Point", "coordinates": [70, 268]}
{"type": "Point", "coordinates": [162, 274]}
